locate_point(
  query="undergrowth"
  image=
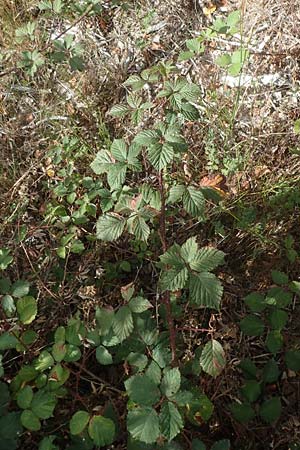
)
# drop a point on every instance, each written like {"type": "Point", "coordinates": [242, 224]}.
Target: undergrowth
{"type": "Point", "coordinates": [99, 292]}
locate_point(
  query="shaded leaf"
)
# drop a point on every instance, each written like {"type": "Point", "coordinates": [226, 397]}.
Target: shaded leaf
{"type": "Point", "coordinates": [101, 430]}
{"type": "Point", "coordinates": [270, 410]}
{"type": "Point", "coordinates": [170, 421]}
{"type": "Point", "coordinates": [205, 290]}
{"type": "Point", "coordinates": [123, 323]}
{"type": "Point", "coordinates": [79, 421]}
{"type": "Point", "coordinates": [110, 227]}
{"type": "Point", "coordinates": [212, 359]}
{"type": "Point", "coordinates": [143, 424]}
{"type": "Point", "coordinates": [142, 390]}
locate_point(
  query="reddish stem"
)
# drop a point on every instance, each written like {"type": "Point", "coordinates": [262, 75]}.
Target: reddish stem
{"type": "Point", "coordinates": [166, 295]}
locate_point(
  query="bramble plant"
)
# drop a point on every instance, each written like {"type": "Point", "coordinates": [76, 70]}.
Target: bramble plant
{"type": "Point", "coordinates": [132, 192]}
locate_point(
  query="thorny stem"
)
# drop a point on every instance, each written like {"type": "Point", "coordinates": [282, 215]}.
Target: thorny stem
{"type": "Point", "coordinates": [166, 295]}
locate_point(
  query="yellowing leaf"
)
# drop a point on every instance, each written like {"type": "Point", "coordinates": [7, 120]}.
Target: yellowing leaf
{"type": "Point", "coordinates": [208, 10]}
{"type": "Point", "coordinates": [50, 173]}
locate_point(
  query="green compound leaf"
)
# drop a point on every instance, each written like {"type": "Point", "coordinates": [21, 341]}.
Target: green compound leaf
{"type": "Point", "coordinates": [199, 408]}
{"type": "Point", "coordinates": [123, 323]}
{"type": "Point", "coordinates": [170, 421]}
{"type": "Point", "coordinates": [207, 259]}
{"type": "Point", "coordinates": [205, 290]}
{"type": "Point", "coordinates": [189, 250]}
{"type": "Point", "coordinates": [27, 309]}
{"type": "Point", "coordinates": [142, 390]}
{"type": "Point", "coordinates": [59, 351]}
{"type": "Point", "coordinates": [198, 445]}
{"type": "Point", "coordinates": [119, 110]}
{"type": "Point", "coordinates": [271, 372]}
{"type": "Point", "coordinates": [146, 137]}
{"type": "Point", "coordinates": [4, 397]}
{"type": "Point", "coordinates": [139, 304]}
{"type": "Point", "coordinates": [297, 126]}
{"type": "Point", "coordinates": [160, 155]}
{"type": "Point", "coordinates": [193, 201]}
{"type": "Point", "coordinates": [78, 422]}
{"type": "Point", "coordinates": [137, 226]}
{"type": "Point", "coordinates": [176, 192]}
{"type": "Point", "coordinates": [212, 359]}
{"type": "Point", "coordinates": [24, 397]}
{"type": "Point", "coordinates": [153, 372]}
{"type": "Point", "coordinates": [278, 319]}
{"type": "Point", "coordinates": [138, 361]}
{"type": "Point", "coordinates": [279, 277]}
{"type": "Point", "coordinates": [274, 341]}
{"type": "Point", "coordinates": [30, 421]}
{"type": "Point", "coordinates": [242, 412]}
{"type": "Point", "coordinates": [279, 297]}
{"type": "Point", "coordinates": [20, 288]}
{"type": "Point", "coordinates": [252, 326]}
{"type": "Point", "coordinates": [249, 368]}
{"type": "Point", "coordinates": [172, 257]}
{"type": "Point", "coordinates": [44, 361]}
{"type": "Point", "coordinates": [171, 382]}
{"type": "Point", "coordinates": [47, 443]}
{"type": "Point", "coordinates": [104, 317]}
{"type": "Point", "coordinates": [251, 390]}
{"type": "Point", "coordinates": [102, 430]}
{"type": "Point", "coordinates": [255, 302]}
{"type": "Point", "coordinates": [7, 341]}
{"type": "Point", "coordinates": [5, 258]}
{"type": "Point", "coordinates": [224, 444]}
{"type": "Point", "coordinates": [43, 404]}
{"type": "Point", "coordinates": [173, 279]}
{"type": "Point", "coordinates": [10, 429]}
{"type": "Point", "coordinates": [143, 424]}
{"type": "Point", "coordinates": [8, 305]}
{"type": "Point", "coordinates": [292, 359]}
{"type": "Point", "coordinates": [270, 410]}
{"type": "Point", "coordinates": [103, 356]}
{"type": "Point", "coordinates": [110, 227]}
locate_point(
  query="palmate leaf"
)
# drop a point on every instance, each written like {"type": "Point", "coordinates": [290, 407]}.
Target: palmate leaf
{"type": "Point", "coordinates": [171, 382]}
{"type": "Point", "coordinates": [119, 110]}
{"type": "Point", "coordinates": [173, 279]}
{"type": "Point", "coordinates": [146, 137]}
{"type": "Point", "coordinates": [170, 421]}
{"type": "Point", "coordinates": [212, 359]}
{"type": "Point", "coordinates": [135, 82]}
{"type": "Point", "coordinates": [189, 250]}
{"type": "Point", "coordinates": [132, 162]}
{"type": "Point", "coordinates": [173, 135]}
{"type": "Point", "coordinates": [160, 155]}
{"type": "Point", "coordinates": [102, 162]}
{"type": "Point", "coordinates": [123, 323]}
{"type": "Point", "coordinates": [139, 304]}
{"type": "Point", "coordinates": [172, 257]}
{"type": "Point", "coordinates": [116, 175]}
{"type": "Point", "coordinates": [102, 430]}
{"type": "Point", "coordinates": [118, 150]}
{"type": "Point", "coordinates": [190, 92]}
{"type": "Point", "coordinates": [176, 192]}
{"type": "Point", "coordinates": [110, 227]}
{"type": "Point", "coordinates": [190, 112]}
{"type": "Point", "coordinates": [138, 226]}
{"type": "Point", "coordinates": [142, 390]}
{"type": "Point", "coordinates": [193, 201]}
{"type": "Point", "coordinates": [79, 421]}
{"type": "Point", "coordinates": [207, 259]}
{"type": "Point", "coordinates": [205, 290]}
{"type": "Point", "coordinates": [143, 424]}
